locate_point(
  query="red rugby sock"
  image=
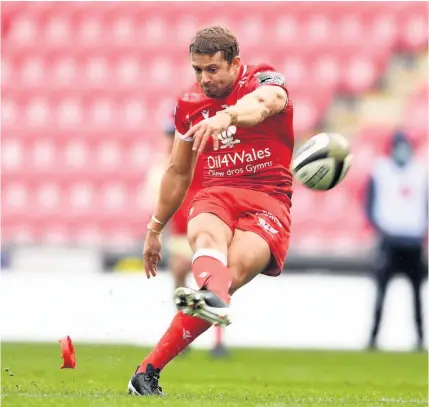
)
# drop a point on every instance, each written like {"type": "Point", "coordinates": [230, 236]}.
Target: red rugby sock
{"type": "Point", "coordinates": [210, 270]}
{"type": "Point", "coordinates": [182, 331]}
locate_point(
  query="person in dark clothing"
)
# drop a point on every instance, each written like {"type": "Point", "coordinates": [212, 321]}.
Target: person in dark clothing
{"type": "Point", "coordinates": [397, 208]}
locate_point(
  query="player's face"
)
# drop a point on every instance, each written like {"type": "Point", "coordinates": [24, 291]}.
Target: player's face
{"type": "Point", "coordinates": [214, 74]}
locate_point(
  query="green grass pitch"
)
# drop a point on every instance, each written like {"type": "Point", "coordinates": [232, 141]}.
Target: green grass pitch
{"type": "Point", "coordinates": [271, 378]}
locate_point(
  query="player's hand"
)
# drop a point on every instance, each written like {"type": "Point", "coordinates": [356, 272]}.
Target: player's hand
{"type": "Point", "coordinates": [208, 128]}
{"type": "Point", "coordinates": [151, 253]}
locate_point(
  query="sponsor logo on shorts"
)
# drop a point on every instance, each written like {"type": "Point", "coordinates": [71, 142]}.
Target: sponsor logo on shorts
{"type": "Point", "coordinates": [270, 216]}
{"type": "Point", "coordinates": [191, 210]}
{"type": "Point", "coordinates": [266, 226]}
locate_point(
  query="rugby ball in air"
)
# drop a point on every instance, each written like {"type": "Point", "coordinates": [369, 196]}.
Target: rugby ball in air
{"type": "Point", "coordinates": [322, 162]}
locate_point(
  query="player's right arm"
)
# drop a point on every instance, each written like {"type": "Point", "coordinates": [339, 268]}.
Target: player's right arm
{"type": "Point", "coordinates": [175, 182]}
{"type": "Point", "coordinates": [174, 186]}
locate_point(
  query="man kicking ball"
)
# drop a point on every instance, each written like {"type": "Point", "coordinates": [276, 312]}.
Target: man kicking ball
{"type": "Point", "coordinates": [238, 119]}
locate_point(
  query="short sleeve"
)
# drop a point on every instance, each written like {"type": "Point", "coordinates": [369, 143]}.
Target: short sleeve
{"type": "Point", "coordinates": [181, 122]}
{"type": "Point", "coordinates": [268, 77]}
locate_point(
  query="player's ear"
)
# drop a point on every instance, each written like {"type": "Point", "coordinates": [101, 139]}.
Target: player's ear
{"type": "Point", "coordinates": [236, 62]}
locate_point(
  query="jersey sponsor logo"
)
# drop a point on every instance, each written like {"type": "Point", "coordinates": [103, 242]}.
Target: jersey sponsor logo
{"type": "Point", "coordinates": [239, 163]}
{"type": "Point", "coordinates": [237, 158]}
{"type": "Point", "coordinates": [227, 137]}
{"type": "Point", "coordinates": [270, 77]}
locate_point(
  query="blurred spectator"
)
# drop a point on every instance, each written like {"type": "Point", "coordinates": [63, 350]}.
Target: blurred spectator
{"type": "Point", "coordinates": [397, 208]}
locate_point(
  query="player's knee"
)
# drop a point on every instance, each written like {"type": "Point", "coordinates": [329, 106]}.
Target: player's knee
{"type": "Point", "coordinates": [204, 239]}
{"type": "Point", "coordinates": [207, 231]}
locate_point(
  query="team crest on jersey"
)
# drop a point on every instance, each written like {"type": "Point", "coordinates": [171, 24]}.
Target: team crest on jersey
{"type": "Point", "coordinates": [227, 137]}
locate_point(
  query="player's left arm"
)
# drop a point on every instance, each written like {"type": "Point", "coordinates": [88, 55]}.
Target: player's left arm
{"type": "Point", "coordinates": [253, 108]}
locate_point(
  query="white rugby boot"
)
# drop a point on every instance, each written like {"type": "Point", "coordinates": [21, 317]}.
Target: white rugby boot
{"type": "Point", "coordinates": [203, 304]}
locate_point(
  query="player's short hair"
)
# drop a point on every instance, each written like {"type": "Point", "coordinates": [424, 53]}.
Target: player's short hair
{"type": "Point", "coordinates": [211, 40]}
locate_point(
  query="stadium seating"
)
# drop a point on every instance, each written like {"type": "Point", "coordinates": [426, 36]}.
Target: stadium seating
{"type": "Point", "coordinates": [87, 88]}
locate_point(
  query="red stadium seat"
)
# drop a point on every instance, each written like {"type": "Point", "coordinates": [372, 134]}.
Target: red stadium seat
{"type": "Point", "coordinates": [414, 34]}
{"type": "Point", "coordinates": [87, 88]}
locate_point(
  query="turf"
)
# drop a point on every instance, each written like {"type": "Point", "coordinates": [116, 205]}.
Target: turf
{"type": "Point", "coordinates": [260, 378]}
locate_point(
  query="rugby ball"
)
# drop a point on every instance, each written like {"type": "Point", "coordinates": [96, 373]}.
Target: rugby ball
{"type": "Point", "coordinates": [322, 162]}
